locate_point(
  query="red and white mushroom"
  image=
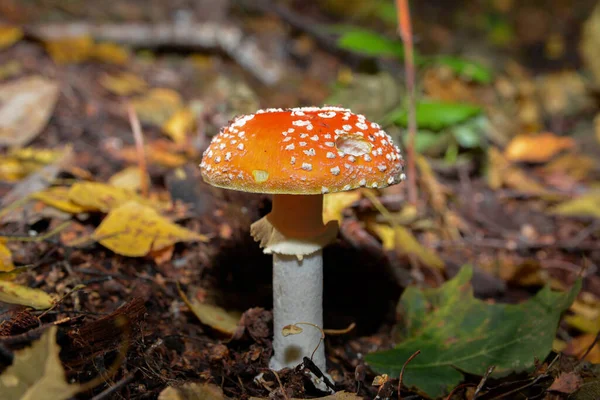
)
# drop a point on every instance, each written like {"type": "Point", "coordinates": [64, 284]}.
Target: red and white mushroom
{"type": "Point", "coordinates": [298, 155]}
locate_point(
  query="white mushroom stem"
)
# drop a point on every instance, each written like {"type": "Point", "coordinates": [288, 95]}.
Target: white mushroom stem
{"type": "Point", "coordinates": [294, 232]}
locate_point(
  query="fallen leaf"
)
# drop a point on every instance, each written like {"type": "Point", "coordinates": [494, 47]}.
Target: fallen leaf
{"type": "Point", "coordinates": [128, 178]}
{"type": "Point", "coordinates": [585, 314]}
{"type": "Point", "coordinates": [566, 382]}
{"type": "Point", "coordinates": [536, 148]}
{"type": "Point", "coordinates": [193, 391]}
{"type": "Point", "coordinates": [335, 203]}
{"type": "Point", "coordinates": [587, 205]}
{"type": "Point", "coordinates": [123, 84]}
{"type": "Point", "coordinates": [16, 294]}
{"type": "Point", "coordinates": [157, 106]}
{"type": "Point", "coordinates": [70, 50]}
{"type": "Point", "coordinates": [180, 125]}
{"type": "Point", "coordinates": [6, 263]}
{"type": "Point", "coordinates": [10, 69]}
{"type": "Point", "coordinates": [110, 53]}
{"type": "Point", "coordinates": [588, 391]}
{"type": "Point", "coordinates": [578, 346]}
{"type": "Point", "coordinates": [214, 316]}
{"type": "Point", "coordinates": [58, 197]}
{"type": "Point", "coordinates": [163, 256]}
{"type": "Point", "coordinates": [37, 373]}
{"type": "Point", "coordinates": [575, 166]}
{"type": "Point", "coordinates": [401, 239]}
{"type": "Point", "coordinates": [9, 35]}
{"type": "Point", "coordinates": [457, 332]}
{"type": "Point", "coordinates": [337, 396]}
{"type": "Point", "coordinates": [25, 107]}
{"type": "Point", "coordinates": [134, 230]}
{"type": "Point", "coordinates": [590, 42]}
{"type": "Point", "coordinates": [103, 197]}
{"type": "Point", "coordinates": [502, 173]}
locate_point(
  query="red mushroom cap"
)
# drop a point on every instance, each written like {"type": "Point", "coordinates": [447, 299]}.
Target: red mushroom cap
{"type": "Point", "coordinates": [307, 150]}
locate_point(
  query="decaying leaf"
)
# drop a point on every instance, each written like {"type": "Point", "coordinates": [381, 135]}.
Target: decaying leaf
{"type": "Point", "coordinates": [193, 391]}
{"type": "Point", "coordinates": [134, 230]}
{"type": "Point", "coordinates": [25, 107]}
{"type": "Point", "coordinates": [536, 148]}
{"type": "Point", "coordinates": [457, 332]}
{"type": "Point", "coordinates": [214, 316]}
{"type": "Point", "coordinates": [180, 125]}
{"type": "Point", "coordinates": [9, 35]}
{"type": "Point", "coordinates": [16, 294]}
{"type": "Point", "coordinates": [566, 382]}
{"type": "Point", "coordinates": [58, 197]}
{"type": "Point", "coordinates": [6, 263]}
{"type": "Point", "coordinates": [157, 106]}
{"type": "Point", "coordinates": [123, 84]}
{"type": "Point", "coordinates": [37, 373]}
{"type": "Point", "coordinates": [335, 203]}
{"type": "Point", "coordinates": [103, 197]}
{"type": "Point", "coordinates": [587, 205]}
{"type": "Point", "coordinates": [291, 330]}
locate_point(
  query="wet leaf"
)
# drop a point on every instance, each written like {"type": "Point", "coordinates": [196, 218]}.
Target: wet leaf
{"type": "Point", "coordinates": [128, 178]}
{"type": "Point", "coordinates": [214, 316]}
{"type": "Point", "coordinates": [134, 230]}
{"type": "Point", "coordinates": [16, 294]}
{"type": "Point", "coordinates": [587, 205]}
{"type": "Point", "coordinates": [58, 197]}
{"type": "Point", "coordinates": [470, 70]}
{"type": "Point", "coordinates": [70, 50]}
{"type": "Point", "coordinates": [193, 391]}
{"type": "Point", "coordinates": [536, 148]}
{"type": "Point", "coordinates": [9, 35]}
{"type": "Point", "coordinates": [157, 106]}
{"type": "Point", "coordinates": [123, 84]}
{"type": "Point", "coordinates": [456, 331]}
{"type": "Point", "coordinates": [437, 115]}
{"type": "Point", "coordinates": [180, 125]}
{"type": "Point", "coordinates": [37, 372]}
{"type": "Point", "coordinates": [25, 107]}
{"type": "Point", "coordinates": [335, 203]}
{"type": "Point", "coordinates": [6, 263]}
{"type": "Point", "coordinates": [102, 197]}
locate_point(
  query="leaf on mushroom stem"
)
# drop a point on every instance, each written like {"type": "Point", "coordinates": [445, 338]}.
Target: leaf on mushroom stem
{"type": "Point", "coordinates": [214, 316]}
{"type": "Point", "coordinates": [16, 294]}
{"type": "Point", "coordinates": [103, 197]}
{"type": "Point", "coordinates": [380, 380]}
{"type": "Point", "coordinates": [180, 125]}
{"type": "Point", "coordinates": [157, 106]}
{"type": "Point", "coordinates": [6, 262]}
{"type": "Point", "coordinates": [587, 205]}
{"type": "Point", "coordinates": [37, 373]}
{"type": "Point", "coordinates": [123, 84]}
{"type": "Point", "coordinates": [25, 107]}
{"type": "Point", "coordinates": [291, 330]}
{"type": "Point", "coordinates": [9, 35]}
{"type": "Point", "coordinates": [537, 148]}
{"type": "Point", "coordinates": [134, 230]}
{"type": "Point", "coordinates": [58, 197]}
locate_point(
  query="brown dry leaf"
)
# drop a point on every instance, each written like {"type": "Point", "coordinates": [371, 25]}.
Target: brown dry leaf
{"type": "Point", "coordinates": [193, 391]}
{"type": "Point", "coordinates": [162, 256]}
{"type": "Point", "coordinates": [70, 49]}
{"type": "Point", "coordinates": [156, 153]}
{"type": "Point", "coordinates": [431, 185]}
{"type": "Point", "coordinates": [402, 239]}
{"type": "Point", "coordinates": [337, 396]}
{"type": "Point", "coordinates": [103, 197]}
{"type": "Point", "coordinates": [536, 148]}
{"type": "Point", "coordinates": [110, 53]}
{"type": "Point", "coordinates": [9, 35]}
{"type": "Point", "coordinates": [6, 263]}
{"type": "Point", "coordinates": [135, 229]}
{"type": "Point", "coordinates": [37, 372]}
{"type": "Point", "coordinates": [502, 173]}
{"type": "Point", "coordinates": [335, 203]}
{"type": "Point", "coordinates": [128, 178]}
{"type": "Point", "coordinates": [58, 197]}
{"type": "Point", "coordinates": [123, 84]}
{"type": "Point", "coordinates": [575, 166]}
{"type": "Point", "coordinates": [566, 382]}
{"type": "Point", "coordinates": [214, 316]}
{"type": "Point", "coordinates": [180, 125]}
{"type": "Point", "coordinates": [25, 107]}
{"type": "Point", "coordinates": [587, 205]}
{"type": "Point", "coordinates": [157, 106]}
{"type": "Point", "coordinates": [579, 345]}
{"type": "Point", "coordinates": [16, 294]}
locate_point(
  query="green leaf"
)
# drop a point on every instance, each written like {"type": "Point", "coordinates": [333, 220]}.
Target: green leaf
{"type": "Point", "coordinates": [457, 332]}
{"type": "Point", "coordinates": [467, 69]}
{"type": "Point", "coordinates": [437, 115]}
{"type": "Point", "coordinates": [369, 43]}
{"type": "Point", "coordinates": [429, 142]}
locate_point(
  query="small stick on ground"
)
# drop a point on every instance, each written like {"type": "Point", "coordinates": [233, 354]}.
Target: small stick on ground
{"type": "Point", "coordinates": [405, 32]}
{"type": "Point", "coordinates": [139, 146]}
{"type": "Point", "coordinates": [416, 353]}
{"type": "Point", "coordinates": [483, 380]}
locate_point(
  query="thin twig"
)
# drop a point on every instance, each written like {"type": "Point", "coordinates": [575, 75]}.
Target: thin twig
{"type": "Point", "coordinates": [405, 32]}
{"type": "Point", "coordinates": [416, 353]}
{"type": "Point", "coordinates": [139, 147]}
{"type": "Point", "coordinates": [483, 380]}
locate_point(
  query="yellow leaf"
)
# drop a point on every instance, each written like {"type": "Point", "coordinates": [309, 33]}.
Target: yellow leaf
{"type": "Point", "coordinates": [587, 205]}
{"type": "Point", "coordinates": [402, 239]}
{"type": "Point", "coordinates": [193, 391]}
{"type": "Point", "coordinates": [10, 69]}
{"type": "Point", "coordinates": [214, 316]}
{"type": "Point", "coordinates": [6, 263]}
{"type": "Point", "coordinates": [291, 330]}
{"type": "Point", "coordinates": [134, 229]}
{"type": "Point", "coordinates": [335, 203]}
{"type": "Point", "coordinates": [502, 173]}
{"type": "Point", "coordinates": [110, 53]}
{"type": "Point", "coordinates": [9, 35]}
{"type": "Point", "coordinates": [70, 49]}
{"type": "Point", "coordinates": [58, 197]}
{"type": "Point", "coordinates": [25, 107]}
{"type": "Point", "coordinates": [37, 373]}
{"type": "Point", "coordinates": [123, 84]}
{"type": "Point", "coordinates": [157, 106]}
{"type": "Point", "coordinates": [128, 178]}
{"type": "Point", "coordinates": [180, 125]}
{"type": "Point", "coordinates": [17, 294]}
{"type": "Point", "coordinates": [431, 185]}
{"type": "Point", "coordinates": [103, 197]}
{"type": "Point", "coordinates": [536, 148]}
